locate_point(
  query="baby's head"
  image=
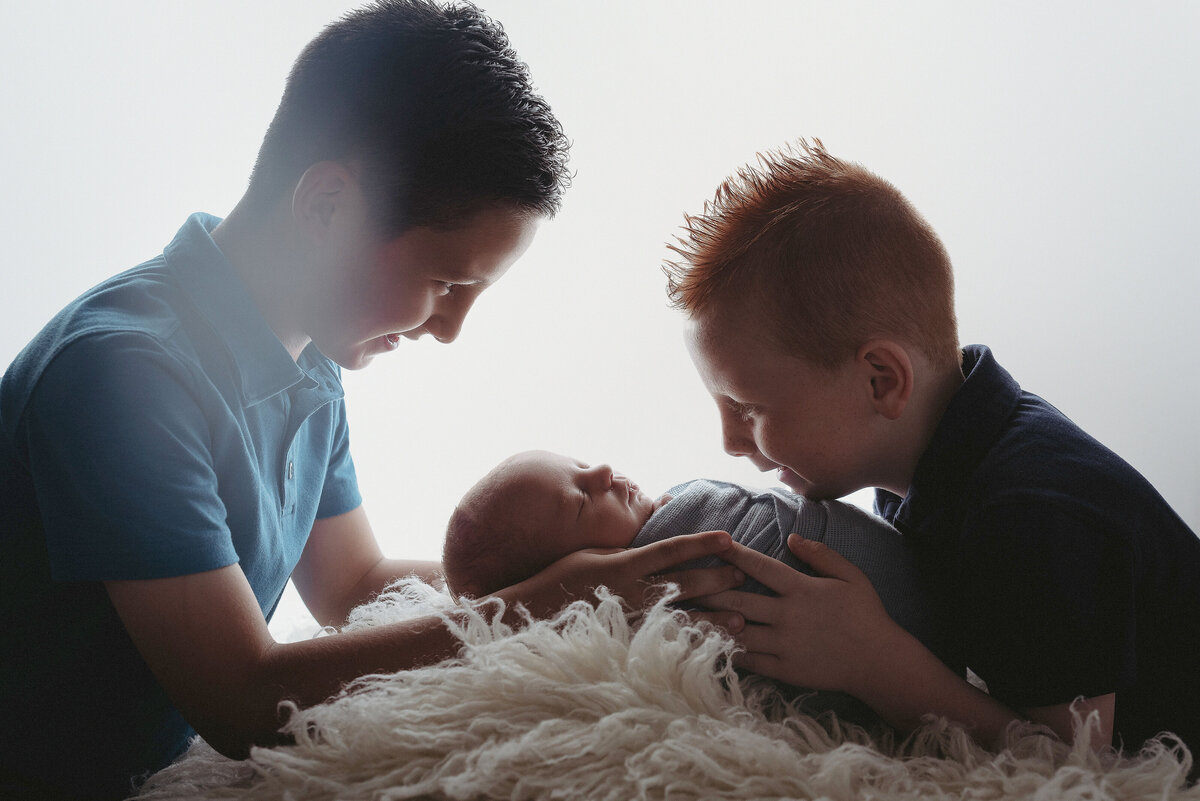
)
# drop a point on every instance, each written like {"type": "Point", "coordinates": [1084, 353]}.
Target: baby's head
{"type": "Point", "coordinates": [533, 509]}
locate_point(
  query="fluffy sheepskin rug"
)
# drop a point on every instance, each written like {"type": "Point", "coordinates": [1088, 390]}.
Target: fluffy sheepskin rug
{"type": "Point", "coordinates": [590, 705]}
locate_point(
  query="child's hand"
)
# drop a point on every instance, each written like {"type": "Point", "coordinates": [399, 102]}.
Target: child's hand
{"type": "Point", "coordinates": [827, 632]}
{"type": "Point", "coordinates": [635, 574]}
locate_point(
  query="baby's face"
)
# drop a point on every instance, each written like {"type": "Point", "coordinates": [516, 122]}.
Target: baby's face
{"type": "Point", "coordinates": [588, 506]}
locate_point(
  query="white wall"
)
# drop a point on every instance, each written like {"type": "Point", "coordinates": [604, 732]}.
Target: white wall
{"type": "Point", "coordinates": [1050, 144]}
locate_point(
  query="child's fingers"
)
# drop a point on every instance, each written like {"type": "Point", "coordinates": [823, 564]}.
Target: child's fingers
{"type": "Point", "coordinates": [657, 557]}
{"type": "Point", "coordinates": [754, 607]}
{"type": "Point", "coordinates": [730, 621]}
{"type": "Point", "coordinates": [824, 560]}
{"type": "Point", "coordinates": [701, 581]}
{"type": "Point", "coordinates": [769, 572]}
{"type": "Point", "coordinates": [768, 665]}
{"type": "Point", "coordinates": [759, 641]}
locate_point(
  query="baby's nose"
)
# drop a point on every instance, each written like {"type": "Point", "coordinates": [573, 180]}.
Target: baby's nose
{"type": "Point", "coordinates": [600, 476]}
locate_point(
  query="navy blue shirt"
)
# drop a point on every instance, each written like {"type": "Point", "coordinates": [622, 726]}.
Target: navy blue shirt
{"type": "Point", "coordinates": [156, 427]}
{"type": "Point", "coordinates": [1061, 570]}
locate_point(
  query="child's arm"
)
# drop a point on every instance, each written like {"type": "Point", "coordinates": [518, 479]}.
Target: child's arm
{"type": "Point", "coordinates": [342, 566]}
{"type": "Point", "coordinates": [205, 638]}
{"type": "Point", "coordinates": [831, 632]}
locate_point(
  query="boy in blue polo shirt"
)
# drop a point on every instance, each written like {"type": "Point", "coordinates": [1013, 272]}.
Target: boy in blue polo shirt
{"type": "Point", "coordinates": [173, 445]}
{"type": "Point", "coordinates": [821, 320]}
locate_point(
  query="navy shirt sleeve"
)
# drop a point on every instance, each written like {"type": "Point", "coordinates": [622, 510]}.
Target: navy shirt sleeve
{"type": "Point", "coordinates": [119, 453]}
{"type": "Point", "coordinates": [1048, 597]}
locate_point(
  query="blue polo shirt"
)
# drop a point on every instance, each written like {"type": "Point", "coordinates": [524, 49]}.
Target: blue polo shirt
{"type": "Point", "coordinates": [1062, 571]}
{"type": "Point", "coordinates": [155, 427]}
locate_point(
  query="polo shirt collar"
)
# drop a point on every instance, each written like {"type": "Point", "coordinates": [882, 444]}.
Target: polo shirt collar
{"type": "Point", "coordinates": [265, 368]}
{"type": "Point", "coordinates": [969, 428]}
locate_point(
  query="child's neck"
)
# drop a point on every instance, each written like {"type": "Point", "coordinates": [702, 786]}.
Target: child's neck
{"type": "Point", "coordinates": [924, 413]}
{"type": "Point", "coordinates": [260, 249]}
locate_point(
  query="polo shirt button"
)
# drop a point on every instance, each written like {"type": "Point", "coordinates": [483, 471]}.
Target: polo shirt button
{"type": "Point", "coordinates": [291, 470]}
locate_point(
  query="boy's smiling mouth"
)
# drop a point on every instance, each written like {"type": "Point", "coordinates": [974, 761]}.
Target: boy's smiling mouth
{"type": "Point", "coordinates": [763, 463]}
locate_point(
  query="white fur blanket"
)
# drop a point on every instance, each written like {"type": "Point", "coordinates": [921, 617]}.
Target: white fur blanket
{"type": "Point", "coordinates": [591, 706]}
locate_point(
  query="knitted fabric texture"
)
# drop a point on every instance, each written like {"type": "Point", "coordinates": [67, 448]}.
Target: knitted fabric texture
{"type": "Point", "coordinates": [763, 519]}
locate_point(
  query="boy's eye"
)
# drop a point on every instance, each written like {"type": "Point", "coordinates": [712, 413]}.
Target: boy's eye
{"type": "Point", "coordinates": [744, 411]}
{"type": "Point", "coordinates": [444, 287]}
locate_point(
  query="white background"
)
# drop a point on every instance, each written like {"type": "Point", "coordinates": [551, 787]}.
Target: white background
{"type": "Point", "coordinates": [1051, 145]}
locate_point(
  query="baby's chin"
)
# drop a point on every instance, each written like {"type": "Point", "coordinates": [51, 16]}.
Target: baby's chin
{"type": "Point", "coordinates": [656, 505]}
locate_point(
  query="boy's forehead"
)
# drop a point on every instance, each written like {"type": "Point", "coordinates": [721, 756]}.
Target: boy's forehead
{"type": "Point", "coordinates": [722, 339]}
{"type": "Point", "coordinates": [731, 319]}
{"type": "Point", "coordinates": [734, 356]}
{"type": "Point", "coordinates": [709, 359]}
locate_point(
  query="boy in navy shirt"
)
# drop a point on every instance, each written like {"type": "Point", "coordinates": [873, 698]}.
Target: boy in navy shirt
{"type": "Point", "coordinates": [821, 320]}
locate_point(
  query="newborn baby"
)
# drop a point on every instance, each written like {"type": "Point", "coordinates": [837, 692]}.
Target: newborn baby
{"type": "Point", "coordinates": [536, 507]}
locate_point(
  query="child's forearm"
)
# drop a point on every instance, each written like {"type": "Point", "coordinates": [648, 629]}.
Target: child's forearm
{"type": "Point", "coordinates": [909, 683]}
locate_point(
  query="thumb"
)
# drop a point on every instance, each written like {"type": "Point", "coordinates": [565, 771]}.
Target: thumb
{"type": "Point", "coordinates": [821, 558]}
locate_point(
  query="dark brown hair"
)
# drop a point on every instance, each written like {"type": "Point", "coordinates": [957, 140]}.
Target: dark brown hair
{"type": "Point", "coordinates": [432, 103]}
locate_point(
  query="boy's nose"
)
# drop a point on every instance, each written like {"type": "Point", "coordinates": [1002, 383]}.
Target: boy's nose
{"type": "Point", "coordinates": [740, 447]}
{"type": "Point", "coordinates": [735, 435]}
{"type": "Point", "coordinates": [445, 327]}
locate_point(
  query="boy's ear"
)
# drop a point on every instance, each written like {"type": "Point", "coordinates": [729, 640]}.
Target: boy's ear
{"type": "Point", "coordinates": [890, 372]}
{"type": "Point", "coordinates": [326, 190]}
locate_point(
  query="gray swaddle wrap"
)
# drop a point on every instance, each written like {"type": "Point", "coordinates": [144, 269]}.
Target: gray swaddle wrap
{"type": "Point", "coordinates": [762, 520]}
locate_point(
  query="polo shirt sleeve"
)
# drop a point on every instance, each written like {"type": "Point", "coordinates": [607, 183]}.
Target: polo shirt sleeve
{"type": "Point", "coordinates": [1048, 603]}
{"type": "Point", "coordinates": [120, 456]}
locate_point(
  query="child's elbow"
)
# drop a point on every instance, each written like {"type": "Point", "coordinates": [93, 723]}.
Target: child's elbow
{"type": "Point", "coordinates": [235, 741]}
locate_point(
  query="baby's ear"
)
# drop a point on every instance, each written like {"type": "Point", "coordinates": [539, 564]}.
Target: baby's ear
{"type": "Point", "coordinates": [889, 371]}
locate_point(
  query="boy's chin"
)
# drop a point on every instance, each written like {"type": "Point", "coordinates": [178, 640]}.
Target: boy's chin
{"type": "Point", "coordinates": [802, 487]}
{"type": "Point", "coordinates": [356, 363]}
{"type": "Point", "coordinates": [792, 481]}
{"type": "Point", "coordinates": [358, 356]}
